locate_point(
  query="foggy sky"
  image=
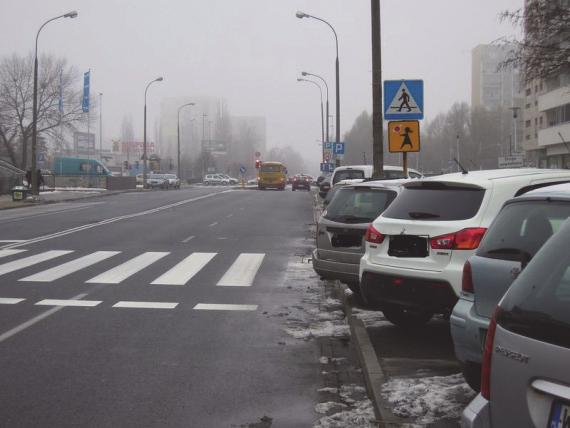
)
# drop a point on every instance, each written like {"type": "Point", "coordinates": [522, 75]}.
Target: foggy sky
{"type": "Point", "coordinates": [251, 52]}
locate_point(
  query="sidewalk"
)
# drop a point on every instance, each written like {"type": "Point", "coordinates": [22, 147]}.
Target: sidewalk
{"type": "Point", "coordinates": [58, 195]}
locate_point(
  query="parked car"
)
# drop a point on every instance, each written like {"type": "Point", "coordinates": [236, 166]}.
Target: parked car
{"type": "Point", "coordinates": [365, 171]}
{"type": "Point", "coordinates": [341, 228]}
{"type": "Point", "coordinates": [416, 249]}
{"type": "Point", "coordinates": [214, 179]}
{"type": "Point", "coordinates": [525, 381]}
{"type": "Point", "coordinates": [520, 229]}
{"type": "Point", "coordinates": [331, 193]}
{"type": "Point", "coordinates": [324, 187]}
{"type": "Point", "coordinates": [321, 177]}
{"type": "Point", "coordinates": [172, 180]}
{"type": "Point", "coordinates": [231, 180]}
{"type": "Point", "coordinates": [301, 181]}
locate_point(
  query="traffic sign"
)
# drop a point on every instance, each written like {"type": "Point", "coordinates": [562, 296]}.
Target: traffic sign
{"type": "Point", "coordinates": [242, 169]}
{"type": "Point", "coordinates": [338, 148]}
{"type": "Point", "coordinates": [327, 167]}
{"type": "Point", "coordinates": [403, 99]}
{"type": "Point", "coordinates": [404, 136]}
{"type": "Point", "coordinates": [329, 146]}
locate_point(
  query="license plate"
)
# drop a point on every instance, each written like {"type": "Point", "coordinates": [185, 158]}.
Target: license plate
{"type": "Point", "coordinates": [559, 415]}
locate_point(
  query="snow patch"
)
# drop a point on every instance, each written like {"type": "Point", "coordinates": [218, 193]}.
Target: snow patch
{"type": "Point", "coordinates": [324, 408]}
{"type": "Point", "coordinates": [319, 329]}
{"type": "Point", "coordinates": [371, 318]}
{"type": "Point", "coordinates": [360, 415]}
{"type": "Point", "coordinates": [428, 399]}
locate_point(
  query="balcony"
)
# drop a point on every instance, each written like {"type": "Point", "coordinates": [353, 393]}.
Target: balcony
{"type": "Point", "coordinates": [554, 99]}
{"type": "Point", "coordinates": [549, 136]}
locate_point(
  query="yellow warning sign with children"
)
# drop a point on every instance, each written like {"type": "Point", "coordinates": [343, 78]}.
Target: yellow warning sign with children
{"type": "Point", "coordinates": [404, 136]}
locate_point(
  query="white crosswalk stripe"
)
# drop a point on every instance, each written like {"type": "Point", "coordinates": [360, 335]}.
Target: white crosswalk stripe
{"type": "Point", "coordinates": [69, 302]}
{"type": "Point", "coordinates": [242, 272]}
{"type": "Point", "coordinates": [9, 252]}
{"type": "Point", "coordinates": [31, 260]}
{"type": "Point", "coordinates": [185, 270]}
{"type": "Point", "coordinates": [127, 269]}
{"type": "Point", "coordinates": [68, 268]}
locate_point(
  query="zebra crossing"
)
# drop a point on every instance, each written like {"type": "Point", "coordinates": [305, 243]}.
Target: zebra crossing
{"type": "Point", "coordinates": [241, 273]}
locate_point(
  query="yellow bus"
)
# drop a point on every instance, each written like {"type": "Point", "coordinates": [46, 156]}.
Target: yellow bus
{"type": "Point", "coordinates": [272, 174]}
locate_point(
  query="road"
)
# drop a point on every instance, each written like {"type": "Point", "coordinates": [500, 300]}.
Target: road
{"type": "Point", "coordinates": [146, 309]}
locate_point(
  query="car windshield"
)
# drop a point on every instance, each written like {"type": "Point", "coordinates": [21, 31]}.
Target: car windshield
{"type": "Point", "coordinates": [521, 228]}
{"type": "Point", "coordinates": [348, 174]}
{"type": "Point", "coordinates": [537, 304]}
{"type": "Point", "coordinates": [358, 205]}
{"type": "Point", "coordinates": [437, 202]}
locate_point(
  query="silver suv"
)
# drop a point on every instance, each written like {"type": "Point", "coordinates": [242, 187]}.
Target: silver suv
{"type": "Point", "coordinates": [525, 381]}
{"type": "Point", "coordinates": [341, 228]}
{"type": "Point", "coordinates": [520, 229]}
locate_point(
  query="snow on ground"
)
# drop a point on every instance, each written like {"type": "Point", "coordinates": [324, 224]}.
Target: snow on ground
{"type": "Point", "coordinates": [371, 318]}
{"type": "Point", "coordinates": [360, 415]}
{"type": "Point", "coordinates": [428, 399]}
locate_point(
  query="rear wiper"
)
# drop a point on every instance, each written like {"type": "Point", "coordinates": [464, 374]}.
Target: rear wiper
{"type": "Point", "coordinates": [347, 218]}
{"type": "Point", "coordinates": [419, 214]}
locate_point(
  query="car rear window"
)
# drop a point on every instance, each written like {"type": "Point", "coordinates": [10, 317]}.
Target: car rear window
{"type": "Point", "coordinates": [435, 201]}
{"type": "Point", "coordinates": [521, 228]}
{"type": "Point", "coordinates": [537, 303]}
{"type": "Point", "coordinates": [358, 204]}
{"type": "Point", "coordinates": [348, 174]}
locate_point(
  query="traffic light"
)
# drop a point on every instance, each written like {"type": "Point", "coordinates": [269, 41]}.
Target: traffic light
{"type": "Point", "coordinates": [257, 163]}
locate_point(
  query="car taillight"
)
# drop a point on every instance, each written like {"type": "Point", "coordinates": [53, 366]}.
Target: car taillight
{"type": "Point", "coordinates": [487, 355]}
{"type": "Point", "coordinates": [373, 236]}
{"type": "Point", "coordinates": [467, 279]}
{"type": "Point", "coordinates": [465, 239]}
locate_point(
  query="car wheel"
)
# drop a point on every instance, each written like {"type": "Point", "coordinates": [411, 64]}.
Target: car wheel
{"type": "Point", "coordinates": [406, 317]}
{"type": "Point", "coordinates": [472, 374]}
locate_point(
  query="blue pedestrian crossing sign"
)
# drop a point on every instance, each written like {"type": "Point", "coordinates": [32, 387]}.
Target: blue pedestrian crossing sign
{"type": "Point", "coordinates": [403, 99]}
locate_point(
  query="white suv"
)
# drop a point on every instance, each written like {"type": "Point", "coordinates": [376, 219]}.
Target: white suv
{"type": "Point", "coordinates": [415, 251]}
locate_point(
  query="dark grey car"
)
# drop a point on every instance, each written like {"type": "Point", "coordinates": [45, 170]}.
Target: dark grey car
{"type": "Point", "coordinates": [520, 229]}
{"type": "Point", "coordinates": [341, 228]}
{"type": "Point", "coordinates": [525, 381]}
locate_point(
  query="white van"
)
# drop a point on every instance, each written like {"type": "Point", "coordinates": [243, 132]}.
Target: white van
{"type": "Point", "coordinates": [351, 172]}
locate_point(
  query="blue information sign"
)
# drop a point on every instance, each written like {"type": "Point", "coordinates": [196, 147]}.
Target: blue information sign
{"type": "Point", "coordinates": [242, 169]}
{"type": "Point", "coordinates": [338, 148]}
{"type": "Point", "coordinates": [403, 99]}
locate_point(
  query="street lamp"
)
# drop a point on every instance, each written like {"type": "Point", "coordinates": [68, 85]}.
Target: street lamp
{"type": "Point", "coordinates": [305, 73]}
{"type": "Point", "coordinates": [322, 121]}
{"type": "Point", "coordinates": [101, 125]}
{"type": "Point", "coordinates": [302, 15]}
{"type": "Point", "coordinates": [178, 129]}
{"type": "Point", "coordinates": [72, 14]}
{"type": "Point", "coordinates": [158, 79]}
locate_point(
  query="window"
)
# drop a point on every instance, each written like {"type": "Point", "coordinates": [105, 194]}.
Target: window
{"type": "Point", "coordinates": [528, 91]}
{"type": "Point", "coordinates": [433, 201]}
{"type": "Point", "coordinates": [358, 204]}
{"type": "Point", "coordinates": [527, 123]}
{"type": "Point", "coordinates": [527, 106]}
{"type": "Point", "coordinates": [270, 168]}
{"type": "Point", "coordinates": [349, 174]}
{"type": "Point", "coordinates": [527, 137]}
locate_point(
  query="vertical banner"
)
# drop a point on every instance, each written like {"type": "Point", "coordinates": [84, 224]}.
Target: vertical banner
{"type": "Point", "coordinates": [85, 105]}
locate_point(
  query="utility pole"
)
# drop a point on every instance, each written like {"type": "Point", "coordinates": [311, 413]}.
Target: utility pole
{"type": "Point", "coordinates": [377, 122]}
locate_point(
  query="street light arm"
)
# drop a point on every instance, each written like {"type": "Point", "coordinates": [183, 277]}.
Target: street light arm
{"type": "Point", "coordinates": [71, 14]}
{"type": "Point", "coordinates": [331, 27]}
{"type": "Point", "coordinates": [306, 73]}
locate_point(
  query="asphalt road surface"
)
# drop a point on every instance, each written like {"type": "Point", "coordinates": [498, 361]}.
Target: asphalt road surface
{"type": "Point", "coordinates": [145, 309]}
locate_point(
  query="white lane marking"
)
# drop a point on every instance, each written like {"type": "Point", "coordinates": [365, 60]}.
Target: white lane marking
{"type": "Point", "coordinates": [213, 224]}
{"type": "Point", "coordinates": [69, 302]}
{"type": "Point", "coordinates": [229, 215]}
{"type": "Point", "coordinates": [113, 220]}
{"type": "Point", "coordinates": [31, 260]}
{"type": "Point", "coordinates": [6, 253]}
{"type": "Point", "coordinates": [35, 320]}
{"type": "Point", "coordinates": [70, 267]}
{"type": "Point", "coordinates": [242, 272]}
{"type": "Point", "coordinates": [12, 220]}
{"type": "Point", "coordinates": [11, 240]}
{"type": "Point", "coordinates": [221, 307]}
{"type": "Point", "coordinates": [10, 300]}
{"type": "Point", "coordinates": [127, 269]}
{"type": "Point", "coordinates": [184, 241]}
{"type": "Point", "coordinates": [185, 270]}
{"type": "Point", "coordinates": [146, 305]}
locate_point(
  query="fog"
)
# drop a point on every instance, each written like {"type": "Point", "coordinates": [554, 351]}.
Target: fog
{"type": "Point", "coordinates": [250, 53]}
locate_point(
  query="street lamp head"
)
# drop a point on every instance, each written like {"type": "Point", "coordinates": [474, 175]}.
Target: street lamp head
{"type": "Point", "coordinates": [299, 79]}
{"type": "Point", "coordinates": [72, 14]}
{"type": "Point", "coordinates": [159, 79]}
{"type": "Point", "coordinates": [304, 73]}
{"type": "Point", "coordinates": [302, 15]}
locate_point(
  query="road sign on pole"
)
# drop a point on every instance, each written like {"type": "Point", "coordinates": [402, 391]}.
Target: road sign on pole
{"type": "Point", "coordinates": [338, 148]}
{"type": "Point", "coordinates": [403, 99]}
{"type": "Point", "coordinates": [404, 136]}
{"type": "Point", "coordinates": [242, 169]}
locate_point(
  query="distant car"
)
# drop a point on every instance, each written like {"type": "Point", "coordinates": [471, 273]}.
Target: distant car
{"type": "Point", "coordinates": [323, 176]}
{"type": "Point", "coordinates": [173, 180]}
{"type": "Point", "coordinates": [139, 178]}
{"type": "Point", "coordinates": [520, 229]}
{"type": "Point", "coordinates": [415, 251]}
{"type": "Point", "coordinates": [365, 171]}
{"type": "Point", "coordinates": [525, 381]}
{"type": "Point", "coordinates": [343, 224]}
{"type": "Point", "coordinates": [156, 181]}
{"type": "Point", "coordinates": [214, 179]}
{"type": "Point", "coordinates": [324, 187]}
{"type": "Point", "coordinates": [301, 181]}
{"type": "Point", "coordinates": [252, 181]}
{"type": "Point", "coordinates": [231, 180]}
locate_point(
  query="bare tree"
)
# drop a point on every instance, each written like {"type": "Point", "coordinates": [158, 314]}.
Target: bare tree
{"type": "Point", "coordinates": [55, 81]}
{"type": "Point", "coordinates": [545, 48]}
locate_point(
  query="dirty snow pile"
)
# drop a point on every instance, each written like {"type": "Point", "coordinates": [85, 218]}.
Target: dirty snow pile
{"type": "Point", "coordinates": [428, 399]}
{"type": "Point", "coordinates": [351, 412]}
{"type": "Point", "coordinates": [371, 318]}
{"type": "Point", "coordinates": [326, 321]}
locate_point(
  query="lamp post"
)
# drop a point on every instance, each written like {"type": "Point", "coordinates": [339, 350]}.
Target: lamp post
{"type": "Point", "coordinates": [101, 126]}
{"type": "Point", "coordinates": [178, 129]}
{"type": "Point", "coordinates": [515, 115]}
{"type": "Point", "coordinates": [322, 121]}
{"type": "Point", "coordinates": [72, 14]}
{"type": "Point", "coordinates": [158, 79]}
{"type": "Point", "coordinates": [302, 15]}
{"type": "Point", "coordinates": [305, 73]}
